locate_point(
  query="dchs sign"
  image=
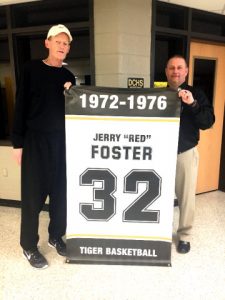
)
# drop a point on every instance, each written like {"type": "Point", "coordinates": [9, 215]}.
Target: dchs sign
{"type": "Point", "coordinates": [135, 82]}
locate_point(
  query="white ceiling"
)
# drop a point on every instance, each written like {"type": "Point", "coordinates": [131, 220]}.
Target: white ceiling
{"type": "Point", "coordinates": [215, 6]}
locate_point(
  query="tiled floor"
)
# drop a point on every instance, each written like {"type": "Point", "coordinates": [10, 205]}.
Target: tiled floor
{"type": "Point", "coordinates": [198, 275]}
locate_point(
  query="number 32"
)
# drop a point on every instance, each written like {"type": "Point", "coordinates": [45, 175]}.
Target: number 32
{"type": "Point", "coordinates": [137, 211]}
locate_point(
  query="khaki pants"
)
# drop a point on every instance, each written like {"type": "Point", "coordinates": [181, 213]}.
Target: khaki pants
{"type": "Point", "coordinates": [185, 189]}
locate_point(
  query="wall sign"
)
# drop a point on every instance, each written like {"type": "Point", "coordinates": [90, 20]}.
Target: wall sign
{"type": "Point", "coordinates": [121, 158]}
{"type": "Point", "coordinates": [135, 82]}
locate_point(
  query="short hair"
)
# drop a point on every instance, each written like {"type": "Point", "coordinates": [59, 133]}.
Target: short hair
{"type": "Point", "coordinates": [177, 56]}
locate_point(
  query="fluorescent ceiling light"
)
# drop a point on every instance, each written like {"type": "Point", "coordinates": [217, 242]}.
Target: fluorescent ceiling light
{"type": "Point", "coordinates": [9, 2]}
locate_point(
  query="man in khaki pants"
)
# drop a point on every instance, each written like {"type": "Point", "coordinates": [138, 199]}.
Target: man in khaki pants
{"type": "Point", "coordinates": [196, 114]}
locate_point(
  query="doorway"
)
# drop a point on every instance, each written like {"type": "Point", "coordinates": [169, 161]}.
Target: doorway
{"type": "Point", "coordinates": [207, 62]}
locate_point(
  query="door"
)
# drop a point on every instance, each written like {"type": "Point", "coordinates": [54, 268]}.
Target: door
{"type": "Point", "coordinates": [207, 62]}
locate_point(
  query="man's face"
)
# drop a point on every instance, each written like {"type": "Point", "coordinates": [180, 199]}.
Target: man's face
{"type": "Point", "coordinates": [58, 46]}
{"type": "Point", "coordinates": [176, 71]}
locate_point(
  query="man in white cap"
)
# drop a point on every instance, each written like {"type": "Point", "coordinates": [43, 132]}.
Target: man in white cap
{"type": "Point", "coordinates": [38, 140]}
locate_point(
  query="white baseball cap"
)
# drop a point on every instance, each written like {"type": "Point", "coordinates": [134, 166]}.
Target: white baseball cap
{"type": "Point", "coordinates": [56, 29]}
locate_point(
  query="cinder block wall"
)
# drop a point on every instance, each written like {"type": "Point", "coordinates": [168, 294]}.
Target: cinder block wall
{"type": "Point", "coordinates": [9, 175]}
{"type": "Point", "coordinates": [122, 32]}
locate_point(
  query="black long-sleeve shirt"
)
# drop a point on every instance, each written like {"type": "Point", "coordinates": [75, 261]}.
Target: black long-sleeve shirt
{"type": "Point", "coordinates": [194, 118]}
{"type": "Point", "coordinates": [40, 102]}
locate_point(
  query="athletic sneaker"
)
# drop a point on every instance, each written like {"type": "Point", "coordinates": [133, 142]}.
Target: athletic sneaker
{"type": "Point", "coordinates": [59, 245]}
{"type": "Point", "coordinates": [36, 259]}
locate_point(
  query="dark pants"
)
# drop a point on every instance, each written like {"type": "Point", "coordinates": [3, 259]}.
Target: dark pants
{"type": "Point", "coordinates": [43, 174]}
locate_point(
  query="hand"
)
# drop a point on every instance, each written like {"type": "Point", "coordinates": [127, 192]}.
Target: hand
{"type": "Point", "coordinates": [17, 155]}
{"type": "Point", "coordinates": [186, 96]}
{"type": "Point", "coordinates": [67, 85]}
